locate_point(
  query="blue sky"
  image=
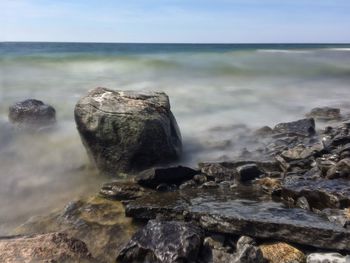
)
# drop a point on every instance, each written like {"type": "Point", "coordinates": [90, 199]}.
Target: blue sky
{"type": "Point", "coordinates": [196, 21]}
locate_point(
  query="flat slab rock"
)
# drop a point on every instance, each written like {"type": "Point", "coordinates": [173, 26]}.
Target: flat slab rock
{"type": "Point", "coordinates": [224, 212]}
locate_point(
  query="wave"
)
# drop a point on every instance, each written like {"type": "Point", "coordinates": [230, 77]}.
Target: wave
{"type": "Point", "coordinates": [283, 51]}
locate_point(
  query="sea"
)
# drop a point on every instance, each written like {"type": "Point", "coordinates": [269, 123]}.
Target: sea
{"type": "Point", "coordinates": [216, 91]}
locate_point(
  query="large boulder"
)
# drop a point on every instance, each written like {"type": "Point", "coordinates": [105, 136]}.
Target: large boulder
{"type": "Point", "coordinates": [32, 113]}
{"type": "Point", "coordinates": [126, 131]}
{"type": "Point", "coordinates": [166, 242]}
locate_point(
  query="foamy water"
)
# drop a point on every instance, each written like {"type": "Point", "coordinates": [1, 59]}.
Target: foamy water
{"type": "Point", "coordinates": [216, 93]}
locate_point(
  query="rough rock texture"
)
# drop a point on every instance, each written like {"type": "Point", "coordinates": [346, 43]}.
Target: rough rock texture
{"type": "Point", "coordinates": [222, 211]}
{"type": "Point", "coordinates": [327, 258]}
{"type": "Point", "coordinates": [171, 175]}
{"type": "Point", "coordinates": [52, 247]}
{"type": "Point", "coordinates": [247, 252]}
{"type": "Point", "coordinates": [320, 193]}
{"type": "Point", "coordinates": [304, 127]}
{"type": "Point", "coordinates": [32, 113]}
{"type": "Point", "coordinates": [127, 131]}
{"type": "Point", "coordinates": [123, 190]}
{"type": "Point", "coordinates": [324, 113]}
{"type": "Point", "coordinates": [282, 253]}
{"type": "Point", "coordinates": [165, 242]}
{"type": "Point", "coordinates": [98, 222]}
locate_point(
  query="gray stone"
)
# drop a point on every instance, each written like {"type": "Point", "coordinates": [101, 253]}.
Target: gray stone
{"type": "Point", "coordinates": [327, 258]}
{"type": "Point", "coordinates": [126, 131]}
{"type": "Point", "coordinates": [324, 113]}
{"type": "Point", "coordinates": [32, 113]}
{"type": "Point", "coordinates": [304, 127]}
{"type": "Point", "coordinates": [166, 242]}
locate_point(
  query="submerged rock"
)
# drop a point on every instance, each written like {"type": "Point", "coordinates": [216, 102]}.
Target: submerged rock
{"type": "Point", "coordinates": [282, 253]}
{"type": "Point", "coordinates": [123, 190]}
{"type": "Point", "coordinates": [32, 113]}
{"type": "Point", "coordinates": [171, 175]}
{"type": "Point", "coordinates": [304, 127]}
{"type": "Point", "coordinates": [98, 222]}
{"type": "Point", "coordinates": [127, 131]}
{"type": "Point", "coordinates": [327, 257]}
{"type": "Point", "coordinates": [324, 114]}
{"type": "Point", "coordinates": [166, 242]}
{"type": "Point", "coordinates": [52, 247]}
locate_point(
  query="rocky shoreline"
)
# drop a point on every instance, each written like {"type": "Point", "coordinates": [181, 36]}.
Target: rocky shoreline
{"type": "Point", "coordinates": [288, 200]}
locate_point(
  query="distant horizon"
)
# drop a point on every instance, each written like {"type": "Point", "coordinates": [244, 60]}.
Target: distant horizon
{"type": "Point", "coordinates": [176, 21]}
{"type": "Point", "coordinates": [187, 43]}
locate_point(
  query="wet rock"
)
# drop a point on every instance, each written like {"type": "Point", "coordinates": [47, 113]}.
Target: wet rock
{"type": "Point", "coordinates": [340, 170]}
{"type": "Point", "coordinates": [269, 184]}
{"type": "Point", "coordinates": [215, 242]}
{"type": "Point", "coordinates": [248, 172]}
{"type": "Point", "coordinates": [320, 193]}
{"type": "Point", "coordinates": [282, 253]}
{"type": "Point", "coordinates": [210, 184]}
{"type": "Point", "coordinates": [324, 114]}
{"type": "Point", "coordinates": [188, 184]}
{"type": "Point", "coordinates": [327, 258]}
{"type": "Point", "coordinates": [247, 251]}
{"type": "Point", "coordinates": [127, 131]}
{"type": "Point", "coordinates": [263, 131]}
{"type": "Point", "coordinates": [172, 175]}
{"type": "Point", "coordinates": [341, 217]}
{"type": "Point", "coordinates": [235, 213]}
{"type": "Point", "coordinates": [167, 242]}
{"type": "Point", "coordinates": [52, 247]}
{"type": "Point", "coordinates": [302, 203]}
{"type": "Point", "coordinates": [32, 113]}
{"type": "Point", "coordinates": [304, 127]}
{"type": "Point", "coordinates": [98, 222]}
{"type": "Point", "coordinates": [123, 190]}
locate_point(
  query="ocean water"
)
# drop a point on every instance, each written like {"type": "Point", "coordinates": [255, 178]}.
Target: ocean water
{"type": "Point", "coordinates": [216, 92]}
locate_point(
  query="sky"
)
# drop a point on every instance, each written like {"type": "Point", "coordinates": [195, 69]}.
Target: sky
{"type": "Point", "coordinates": [174, 21]}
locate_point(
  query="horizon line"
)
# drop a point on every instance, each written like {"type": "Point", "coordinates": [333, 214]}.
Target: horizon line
{"type": "Point", "coordinates": [185, 43]}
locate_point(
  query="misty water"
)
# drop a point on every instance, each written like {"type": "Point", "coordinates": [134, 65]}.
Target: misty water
{"type": "Point", "coordinates": [216, 92]}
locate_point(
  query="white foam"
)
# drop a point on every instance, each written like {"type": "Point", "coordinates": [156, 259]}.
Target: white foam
{"type": "Point", "coordinates": [283, 51]}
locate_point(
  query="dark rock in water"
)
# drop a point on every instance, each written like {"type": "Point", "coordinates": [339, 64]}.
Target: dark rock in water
{"type": "Point", "coordinates": [98, 222]}
{"type": "Point", "coordinates": [320, 193]}
{"type": "Point", "coordinates": [324, 114]}
{"type": "Point", "coordinates": [127, 131]}
{"type": "Point", "coordinates": [166, 242]}
{"type": "Point", "coordinates": [232, 212]}
{"type": "Point", "coordinates": [123, 190]}
{"type": "Point", "coordinates": [304, 127]}
{"type": "Point", "coordinates": [248, 172]}
{"type": "Point", "coordinates": [32, 113]}
{"type": "Point", "coordinates": [247, 252]}
{"type": "Point", "coordinates": [340, 170]}
{"type": "Point", "coordinates": [171, 175]}
{"type": "Point", "coordinates": [53, 247]}
{"type": "Point", "coordinates": [264, 131]}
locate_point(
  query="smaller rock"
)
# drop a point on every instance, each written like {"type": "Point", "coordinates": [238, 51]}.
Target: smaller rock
{"type": "Point", "coordinates": [172, 175]}
{"type": "Point", "coordinates": [247, 252]}
{"type": "Point", "coordinates": [248, 172]}
{"type": "Point", "coordinates": [302, 203]}
{"type": "Point", "coordinates": [32, 113]}
{"type": "Point", "coordinates": [263, 131]}
{"type": "Point", "coordinates": [340, 170]}
{"type": "Point", "coordinates": [188, 184]}
{"type": "Point", "coordinates": [327, 257]}
{"type": "Point", "coordinates": [324, 114]}
{"type": "Point", "coordinates": [304, 127]}
{"type": "Point", "coordinates": [210, 184]}
{"type": "Point", "coordinates": [122, 190]}
{"type": "Point", "coordinates": [165, 242]}
{"type": "Point", "coordinates": [282, 253]}
{"type": "Point", "coordinates": [215, 242]}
